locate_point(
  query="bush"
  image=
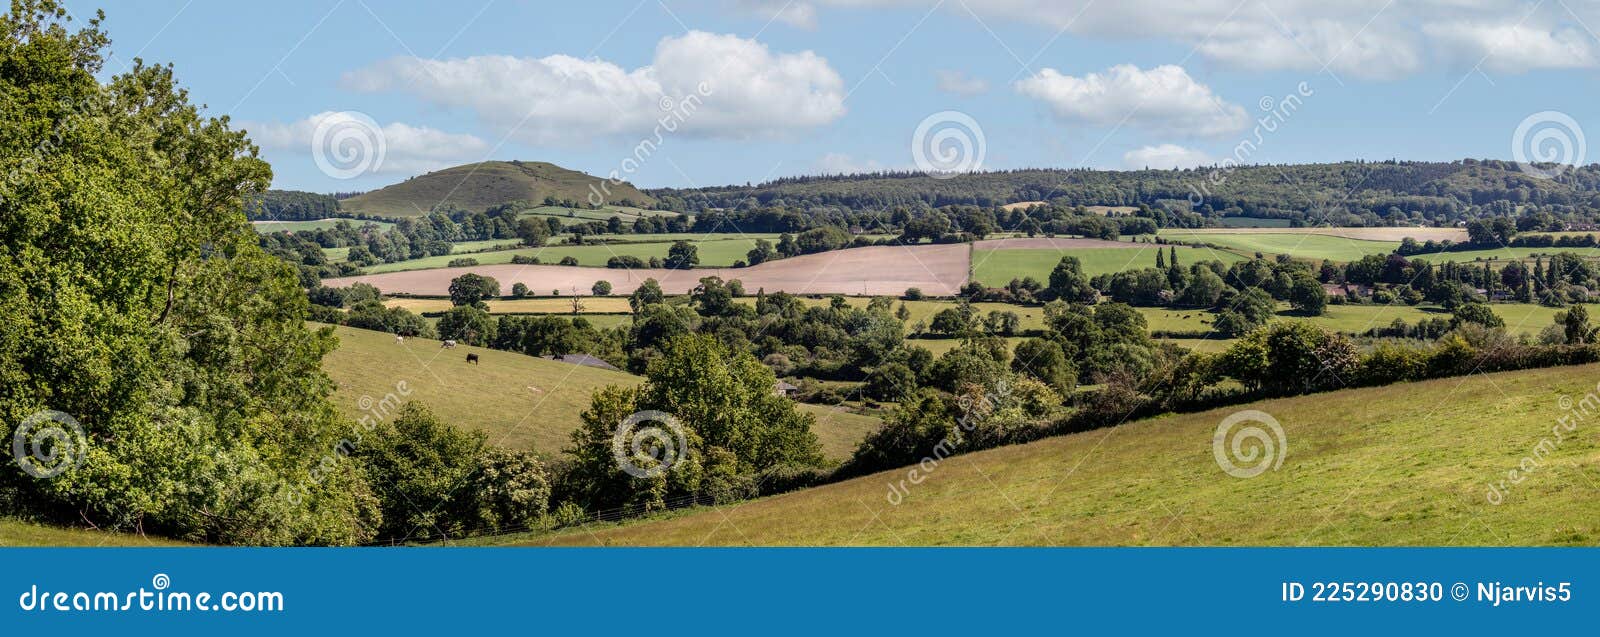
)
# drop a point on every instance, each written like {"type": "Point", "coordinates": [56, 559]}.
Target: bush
{"type": "Point", "coordinates": [601, 288]}
{"type": "Point", "coordinates": [913, 294]}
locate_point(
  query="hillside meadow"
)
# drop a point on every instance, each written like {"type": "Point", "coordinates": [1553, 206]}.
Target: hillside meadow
{"type": "Point", "coordinates": [1402, 465]}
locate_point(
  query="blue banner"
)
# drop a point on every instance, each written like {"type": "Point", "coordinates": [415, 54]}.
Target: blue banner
{"type": "Point", "coordinates": [795, 591]}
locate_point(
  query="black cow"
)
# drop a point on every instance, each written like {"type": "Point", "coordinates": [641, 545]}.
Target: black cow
{"type": "Point", "coordinates": [472, 358]}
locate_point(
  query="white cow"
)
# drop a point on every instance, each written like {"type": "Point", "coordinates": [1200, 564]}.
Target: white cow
{"type": "Point", "coordinates": [448, 344]}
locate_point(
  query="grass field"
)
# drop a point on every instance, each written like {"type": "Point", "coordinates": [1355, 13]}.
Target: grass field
{"type": "Point", "coordinates": [995, 268]}
{"type": "Point", "coordinates": [497, 395]}
{"type": "Point", "coordinates": [320, 224]}
{"type": "Point", "coordinates": [605, 213]}
{"type": "Point", "coordinates": [19, 533]}
{"type": "Point", "coordinates": [1304, 246]}
{"type": "Point", "coordinates": [1407, 464]}
{"type": "Point", "coordinates": [1502, 255]}
{"type": "Point", "coordinates": [720, 252]}
{"type": "Point", "coordinates": [1252, 222]}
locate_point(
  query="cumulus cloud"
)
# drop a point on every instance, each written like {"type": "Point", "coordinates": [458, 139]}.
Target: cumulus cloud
{"type": "Point", "coordinates": [1372, 39]}
{"type": "Point", "coordinates": [1509, 48]}
{"type": "Point", "coordinates": [1164, 157]}
{"type": "Point", "coordinates": [959, 83]}
{"type": "Point", "coordinates": [698, 84]}
{"type": "Point", "coordinates": [1163, 99]}
{"type": "Point", "coordinates": [406, 149]}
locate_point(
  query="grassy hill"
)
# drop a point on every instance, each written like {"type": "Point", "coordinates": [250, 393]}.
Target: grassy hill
{"type": "Point", "coordinates": [483, 185]}
{"type": "Point", "coordinates": [497, 395]}
{"type": "Point", "coordinates": [1404, 464]}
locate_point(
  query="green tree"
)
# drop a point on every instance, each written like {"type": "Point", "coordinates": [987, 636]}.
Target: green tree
{"type": "Point", "coordinates": [1070, 284]}
{"type": "Point", "coordinates": [471, 289]}
{"type": "Point", "coordinates": [647, 293]}
{"type": "Point", "coordinates": [1308, 297]}
{"type": "Point", "coordinates": [135, 298]}
{"type": "Point", "coordinates": [1046, 362]}
{"type": "Point", "coordinates": [419, 467]}
{"type": "Point", "coordinates": [891, 382]}
{"type": "Point", "coordinates": [762, 253]}
{"type": "Point", "coordinates": [467, 324]}
{"type": "Point", "coordinates": [682, 256]}
{"type": "Point", "coordinates": [601, 288]}
{"type": "Point", "coordinates": [1476, 314]}
{"type": "Point", "coordinates": [533, 231]}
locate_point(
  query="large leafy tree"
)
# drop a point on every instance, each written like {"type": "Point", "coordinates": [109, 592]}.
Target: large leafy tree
{"type": "Point", "coordinates": [134, 297]}
{"type": "Point", "coordinates": [731, 422]}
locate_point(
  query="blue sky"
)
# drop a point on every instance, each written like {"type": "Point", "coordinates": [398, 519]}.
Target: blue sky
{"type": "Point", "coordinates": [826, 85]}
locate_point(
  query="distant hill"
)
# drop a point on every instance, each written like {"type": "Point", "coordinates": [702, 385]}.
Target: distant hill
{"type": "Point", "coordinates": [487, 184]}
{"type": "Point", "coordinates": [1342, 193]}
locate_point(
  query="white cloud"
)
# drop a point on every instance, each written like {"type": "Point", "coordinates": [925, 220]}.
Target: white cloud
{"type": "Point", "coordinates": [1163, 99]}
{"type": "Point", "coordinates": [796, 14]}
{"type": "Point", "coordinates": [406, 149]}
{"type": "Point", "coordinates": [1509, 48]}
{"type": "Point", "coordinates": [699, 84]}
{"type": "Point", "coordinates": [1164, 157]}
{"type": "Point", "coordinates": [1373, 39]}
{"type": "Point", "coordinates": [959, 83]}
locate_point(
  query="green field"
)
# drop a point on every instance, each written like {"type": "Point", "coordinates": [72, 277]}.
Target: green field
{"type": "Point", "coordinates": [995, 268]}
{"type": "Point", "coordinates": [320, 224]}
{"type": "Point", "coordinates": [1252, 222]}
{"type": "Point", "coordinates": [18, 533]}
{"type": "Point", "coordinates": [498, 395]}
{"type": "Point", "coordinates": [1299, 245]}
{"type": "Point", "coordinates": [1406, 464]}
{"type": "Point", "coordinates": [1502, 254]}
{"type": "Point", "coordinates": [605, 213]}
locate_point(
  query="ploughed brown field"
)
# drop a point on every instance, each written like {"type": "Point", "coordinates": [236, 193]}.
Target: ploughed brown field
{"type": "Point", "coordinates": [937, 270]}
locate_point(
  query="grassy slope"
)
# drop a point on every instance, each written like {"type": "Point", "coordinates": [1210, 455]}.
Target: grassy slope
{"type": "Point", "coordinates": [320, 224]}
{"type": "Point", "coordinates": [494, 396]}
{"type": "Point", "coordinates": [481, 186]}
{"type": "Point", "coordinates": [1404, 464]}
{"type": "Point", "coordinates": [18, 533]}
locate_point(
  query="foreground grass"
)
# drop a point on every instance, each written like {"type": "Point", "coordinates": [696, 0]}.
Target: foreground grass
{"type": "Point", "coordinates": [1407, 464]}
{"type": "Point", "coordinates": [18, 533]}
{"type": "Point", "coordinates": [521, 402]}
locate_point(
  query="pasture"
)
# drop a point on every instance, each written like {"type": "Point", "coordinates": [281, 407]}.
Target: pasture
{"type": "Point", "coordinates": [521, 402]}
{"type": "Point", "coordinates": [1501, 256]}
{"type": "Point", "coordinates": [1384, 466]}
{"type": "Point", "coordinates": [995, 268]}
{"type": "Point", "coordinates": [1299, 245]}
{"type": "Point", "coordinates": [713, 252]}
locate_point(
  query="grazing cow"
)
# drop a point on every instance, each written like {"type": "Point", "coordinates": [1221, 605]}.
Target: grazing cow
{"type": "Point", "coordinates": [399, 340]}
{"type": "Point", "coordinates": [447, 344]}
{"type": "Point", "coordinates": [472, 358]}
